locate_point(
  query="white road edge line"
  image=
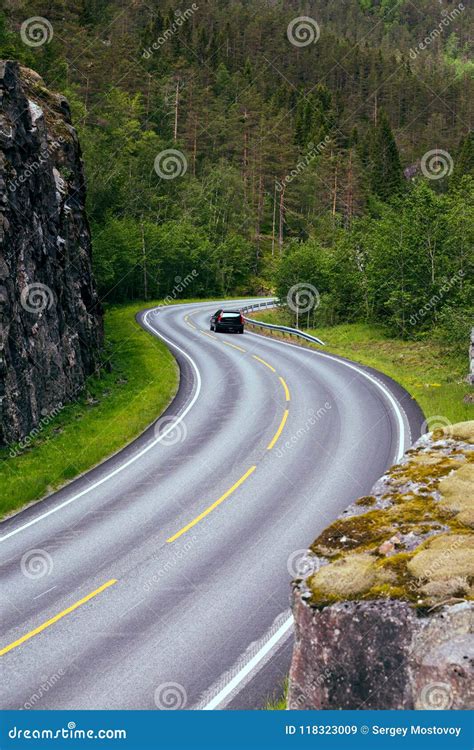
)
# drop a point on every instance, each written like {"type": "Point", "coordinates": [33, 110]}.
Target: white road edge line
{"type": "Point", "coordinates": [148, 447]}
{"type": "Point", "coordinates": [395, 406]}
{"type": "Point", "coordinates": [134, 458]}
{"type": "Point", "coordinates": [273, 641]}
{"type": "Point", "coordinates": [250, 666]}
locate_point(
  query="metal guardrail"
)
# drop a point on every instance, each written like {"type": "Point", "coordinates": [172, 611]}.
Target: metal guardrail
{"type": "Point", "coordinates": [284, 329]}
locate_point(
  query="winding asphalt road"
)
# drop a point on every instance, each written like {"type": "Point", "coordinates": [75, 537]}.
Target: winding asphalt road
{"type": "Point", "coordinates": [162, 577]}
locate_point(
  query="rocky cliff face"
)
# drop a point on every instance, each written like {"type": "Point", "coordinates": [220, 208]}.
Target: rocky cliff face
{"type": "Point", "coordinates": [50, 317]}
{"type": "Point", "coordinates": [385, 617]}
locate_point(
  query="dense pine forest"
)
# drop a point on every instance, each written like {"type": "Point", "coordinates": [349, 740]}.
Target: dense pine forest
{"type": "Point", "coordinates": [233, 148]}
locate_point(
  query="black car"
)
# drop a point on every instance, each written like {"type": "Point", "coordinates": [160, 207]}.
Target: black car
{"type": "Point", "coordinates": [227, 321]}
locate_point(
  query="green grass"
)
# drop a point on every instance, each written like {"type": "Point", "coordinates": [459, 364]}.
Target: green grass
{"type": "Point", "coordinates": [278, 701]}
{"type": "Point", "coordinates": [278, 705]}
{"type": "Point", "coordinates": [431, 374]}
{"type": "Point", "coordinates": [115, 408]}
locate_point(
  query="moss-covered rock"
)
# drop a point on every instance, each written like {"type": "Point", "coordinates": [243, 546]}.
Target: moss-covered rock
{"type": "Point", "coordinates": [347, 576]}
{"type": "Point", "coordinates": [412, 539]}
{"type": "Point", "coordinates": [384, 619]}
{"type": "Point", "coordinates": [463, 431]}
{"type": "Point", "coordinates": [457, 494]}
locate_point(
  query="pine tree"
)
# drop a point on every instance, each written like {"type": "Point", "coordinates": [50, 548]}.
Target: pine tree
{"type": "Point", "coordinates": [464, 160]}
{"type": "Point", "coordinates": [386, 177]}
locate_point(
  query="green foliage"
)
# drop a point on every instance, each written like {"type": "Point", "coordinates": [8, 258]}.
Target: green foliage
{"type": "Point", "coordinates": [378, 247]}
{"type": "Point", "coordinates": [139, 258]}
{"type": "Point", "coordinates": [385, 166]}
{"type": "Point", "coordinates": [409, 267]}
{"type": "Point", "coordinates": [460, 57]}
{"type": "Point", "coordinates": [7, 40]}
{"type": "Point", "coordinates": [464, 162]}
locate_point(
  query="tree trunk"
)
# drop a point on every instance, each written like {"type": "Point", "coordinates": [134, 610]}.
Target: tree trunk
{"type": "Point", "coordinates": [195, 146]}
{"type": "Point", "coordinates": [350, 193]}
{"type": "Point", "coordinates": [176, 109]}
{"type": "Point", "coordinates": [281, 219]}
{"type": "Point", "coordinates": [145, 280]}
{"type": "Point", "coordinates": [274, 217]}
{"type": "Point", "coordinates": [245, 156]}
{"type": "Point", "coordinates": [259, 218]}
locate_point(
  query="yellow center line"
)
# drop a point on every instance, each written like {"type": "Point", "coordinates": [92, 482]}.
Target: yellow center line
{"type": "Point", "coordinates": [279, 431]}
{"type": "Point", "coordinates": [287, 392]}
{"type": "Point", "coordinates": [188, 322]}
{"type": "Point", "coordinates": [208, 334]}
{"type": "Point", "coordinates": [263, 362]}
{"type": "Point", "coordinates": [212, 507]}
{"type": "Point", "coordinates": [54, 619]}
{"type": "Point", "coordinates": [234, 346]}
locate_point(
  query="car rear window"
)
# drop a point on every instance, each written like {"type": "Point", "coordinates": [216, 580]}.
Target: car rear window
{"type": "Point", "coordinates": [231, 315]}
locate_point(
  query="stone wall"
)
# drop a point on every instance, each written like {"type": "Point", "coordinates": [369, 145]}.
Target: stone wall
{"type": "Point", "coordinates": [50, 317]}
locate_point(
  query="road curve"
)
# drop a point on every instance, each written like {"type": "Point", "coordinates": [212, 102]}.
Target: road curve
{"type": "Point", "coordinates": [160, 579]}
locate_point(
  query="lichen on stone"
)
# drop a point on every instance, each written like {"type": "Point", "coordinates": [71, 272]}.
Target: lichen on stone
{"type": "Point", "coordinates": [414, 540]}
{"type": "Point", "coordinates": [463, 431]}
{"type": "Point", "coordinates": [444, 557]}
{"type": "Point", "coordinates": [54, 107]}
{"type": "Point", "coordinates": [457, 494]}
{"type": "Point", "coordinates": [348, 576]}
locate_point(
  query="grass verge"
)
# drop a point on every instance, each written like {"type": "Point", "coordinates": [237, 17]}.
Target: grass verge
{"type": "Point", "coordinates": [278, 701]}
{"type": "Point", "coordinates": [431, 374]}
{"type": "Point", "coordinates": [113, 410]}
